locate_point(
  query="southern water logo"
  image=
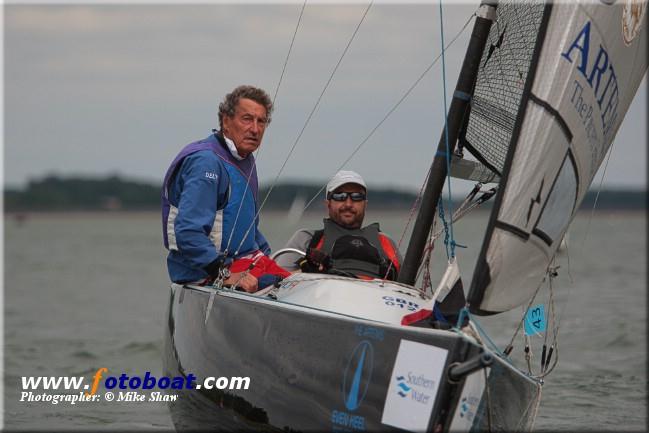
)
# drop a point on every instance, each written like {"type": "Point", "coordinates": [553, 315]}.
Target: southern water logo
{"type": "Point", "coordinates": [414, 386]}
{"type": "Point", "coordinates": [403, 388]}
{"type": "Point", "coordinates": [358, 375]}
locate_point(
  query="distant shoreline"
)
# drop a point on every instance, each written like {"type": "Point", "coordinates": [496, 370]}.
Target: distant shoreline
{"type": "Point", "coordinates": [115, 194]}
{"type": "Point", "coordinates": [57, 214]}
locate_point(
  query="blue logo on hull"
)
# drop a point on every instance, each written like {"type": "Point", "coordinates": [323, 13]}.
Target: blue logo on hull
{"type": "Point", "coordinates": [358, 375]}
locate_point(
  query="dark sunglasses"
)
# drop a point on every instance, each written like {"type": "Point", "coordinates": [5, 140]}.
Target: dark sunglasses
{"type": "Point", "coordinates": [342, 196]}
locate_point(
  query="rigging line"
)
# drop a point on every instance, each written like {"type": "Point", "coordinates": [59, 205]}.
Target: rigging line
{"type": "Point", "coordinates": [411, 214]}
{"type": "Point", "coordinates": [520, 426]}
{"type": "Point", "coordinates": [489, 405]}
{"type": "Point", "coordinates": [599, 189]}
{"type": "Point", "coordinates": [424, 269]}
{"type": "Point", "coordinates": [483, 333]}
{"type": "Point", "coordinates": [448, 152]}
{"type": "Point", "coordinates": [520, 322]}
{"type": "Point", "coordinates": [551, 313]}
{"type": "Point", "coordinates": [258, 154]}
{"type": "Point", "coordinates": [465, 207]}
{"type": "Point", "coordinates": [528, 354]}
{"type": "Point", "coordinates": [557, 324]}
{"type": "Point", "coordinates": [469, 203]}
{"type": "Point", "coordinates": [551, 275]}
{"type": "Point", "coordinates": [554, 347]}
{"type": "Point", "coordinates": [313, 110]}
{"type": "Point", "coordinates": [290, 48]}
{"type": "Point", "coordinates": [394, 108]}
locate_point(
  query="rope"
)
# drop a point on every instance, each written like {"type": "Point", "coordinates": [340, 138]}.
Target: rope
{"type": "Point", "coordinates": [555, 331]}
{"type": "Point", "coordinates": [306, 123]}
{"type": "Point", "coordinates": [545, 368]}
{"type": "Point", "coordinates": [536, 402]}
{"type": "Point", "coordinates": [290, 48]}
{"type": "Point", "coordinates": [557, 324]}
{"type": "Point", "coordinates": [520, 323]}
{"type": "Point", "coordinates": [394, 108]}
{"type": "Point", "coordinates": [489, 407]}
{"type": "Point", "coordinates": [426, 281]}
{"type": "Point", "coordinates": [448, 152]}
{"type": "Point", "coordinates": [599, 190]}
{"type": "Point", "coordinates": [411, 214]}
{"type": "Point", "coordinates": [465, 207]}
{"type": "Point", "coordinates": [464, 313]}
{"type": "Point", "coordinates": [258, 154]}
{"type": "Point", "coordinates": [357, 149]}
{"type": "Point", "coordinates": [551, 275]}
{"type": "Point", "coordinates": [536, 407]}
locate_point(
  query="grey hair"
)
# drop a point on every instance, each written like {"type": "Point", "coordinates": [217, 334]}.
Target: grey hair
{"type": "Point", "coordinates": [226, 108]}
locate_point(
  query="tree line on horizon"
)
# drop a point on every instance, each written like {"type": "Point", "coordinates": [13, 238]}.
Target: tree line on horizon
{"type": "Point", "coordinates": [56, 193]}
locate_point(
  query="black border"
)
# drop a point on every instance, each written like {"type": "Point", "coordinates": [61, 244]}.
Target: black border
{"type": "Point", "coordinates": [512, 229]}
{"type": "Point", "coordinates": [568, 157]}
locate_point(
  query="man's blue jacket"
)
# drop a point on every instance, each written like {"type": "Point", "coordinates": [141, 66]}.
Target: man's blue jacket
{"type": "Point", "coordinates": [209, 209]}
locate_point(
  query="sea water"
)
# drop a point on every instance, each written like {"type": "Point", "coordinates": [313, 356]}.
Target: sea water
{"type": "Point", "coordinates": [86, 291]}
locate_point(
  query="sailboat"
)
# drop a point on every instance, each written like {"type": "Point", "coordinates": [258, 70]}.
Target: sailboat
{"type": "Point", "coordinates": [541, 94]}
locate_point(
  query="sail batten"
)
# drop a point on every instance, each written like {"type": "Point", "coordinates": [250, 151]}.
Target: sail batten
{"type": "Point", "coordinates": [589, 62]}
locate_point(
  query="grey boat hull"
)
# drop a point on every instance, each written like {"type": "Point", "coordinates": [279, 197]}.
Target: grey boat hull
{"type": "Point", "coordinates": [302, 367]}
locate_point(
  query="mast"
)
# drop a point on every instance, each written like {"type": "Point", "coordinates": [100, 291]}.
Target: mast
{"type": "Point", "coordinates": [454, 119]}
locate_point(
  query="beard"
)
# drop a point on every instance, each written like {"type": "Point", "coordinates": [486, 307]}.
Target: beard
{"type": "Point", "coordinates": [349, 218]}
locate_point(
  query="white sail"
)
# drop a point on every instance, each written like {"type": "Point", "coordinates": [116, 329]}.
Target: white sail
{"type": "Point", "coordinates": [589, 62]}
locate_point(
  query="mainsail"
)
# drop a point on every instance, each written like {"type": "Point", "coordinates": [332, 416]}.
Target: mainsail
{"type": "Point", "coordinates": [576, 68]}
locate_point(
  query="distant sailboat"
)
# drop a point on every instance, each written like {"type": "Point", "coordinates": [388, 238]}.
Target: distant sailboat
{"type": "Point", "coordinates": [296, 210]}
{"type": "Point", "coordinates": [563, 246]}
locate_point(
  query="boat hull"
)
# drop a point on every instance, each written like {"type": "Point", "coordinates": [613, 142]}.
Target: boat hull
{"type": "Point", "coordinates": [313, 370]}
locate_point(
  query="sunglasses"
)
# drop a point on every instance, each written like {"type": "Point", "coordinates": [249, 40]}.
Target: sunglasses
{"type": "Point", "coordinates": [342, 196]}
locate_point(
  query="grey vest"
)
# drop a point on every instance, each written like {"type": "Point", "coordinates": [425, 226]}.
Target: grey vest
{"type": "Point", "coordinates": [357, 251]}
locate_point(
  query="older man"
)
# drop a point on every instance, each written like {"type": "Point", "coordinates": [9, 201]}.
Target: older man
{"type": "Point", "coordinates": [343, 245]}
{"type": "Point", "coordinates": [209, 200]}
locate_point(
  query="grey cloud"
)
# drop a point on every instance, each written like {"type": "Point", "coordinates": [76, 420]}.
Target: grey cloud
{"type": "Point", "coordinates": [99, 89]}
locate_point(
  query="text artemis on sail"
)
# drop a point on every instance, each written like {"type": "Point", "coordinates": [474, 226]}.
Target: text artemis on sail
{"type": "Point", "coordinates": [601, 67]}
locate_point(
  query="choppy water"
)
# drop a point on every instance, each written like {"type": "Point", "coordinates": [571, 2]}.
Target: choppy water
{"type": "Point", "coordinates": [90, 291]}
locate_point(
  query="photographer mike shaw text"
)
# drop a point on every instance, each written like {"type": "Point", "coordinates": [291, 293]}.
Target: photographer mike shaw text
{"type": "Point", "coordinates": [122, 396]}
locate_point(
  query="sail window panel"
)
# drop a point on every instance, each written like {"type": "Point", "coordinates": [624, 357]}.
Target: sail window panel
{"type": "Point", "coordinates": [498, 92]}
{"type": "Point", "coordinates": [560, 205]}
{"type": "Point", "coordinates": [541, 148]}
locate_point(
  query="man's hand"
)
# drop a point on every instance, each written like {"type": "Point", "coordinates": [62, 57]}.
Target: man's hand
{"type": "Point", "coordinates": [315, 261]}
{"type": "Point", "coordinates": [244, 280]}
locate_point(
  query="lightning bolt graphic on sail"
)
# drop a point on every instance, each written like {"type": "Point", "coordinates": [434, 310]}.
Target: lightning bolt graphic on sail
{"type": "Point", "coordinates": [493, 47]}
{"type": "Point", "coordinates": [534, 200]}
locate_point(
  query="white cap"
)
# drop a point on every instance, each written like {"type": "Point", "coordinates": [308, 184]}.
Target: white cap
{"type": "Point", "coordinates": [343, 177]}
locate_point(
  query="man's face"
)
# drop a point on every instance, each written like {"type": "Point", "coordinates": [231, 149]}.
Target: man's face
{"type": "Point", "coordinates": [246, 128]}
{"type": "Point", "coordinates": [347, 213]}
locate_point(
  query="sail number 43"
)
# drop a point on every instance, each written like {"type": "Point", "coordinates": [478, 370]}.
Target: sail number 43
{"type": "Point", "coordinates": [535, 320]}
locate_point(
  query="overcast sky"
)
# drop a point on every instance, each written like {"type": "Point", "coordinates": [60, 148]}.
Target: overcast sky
{"type": "Point", "coordinates": [99, 89]}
